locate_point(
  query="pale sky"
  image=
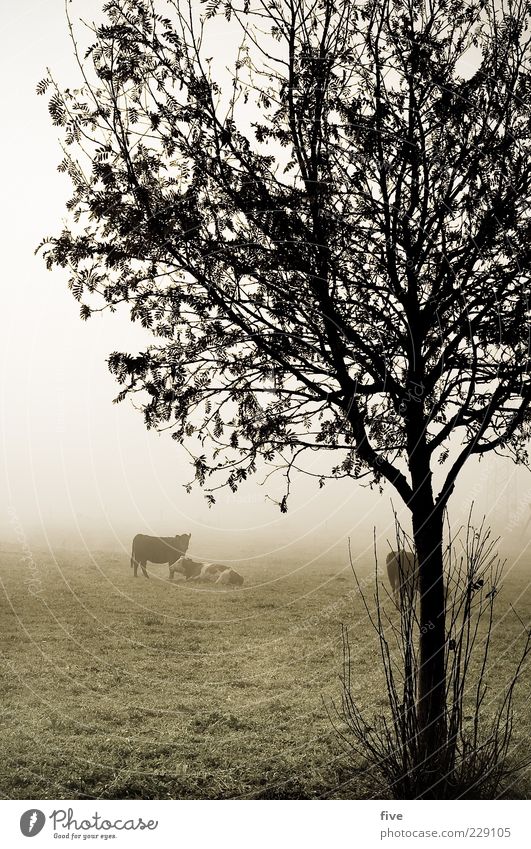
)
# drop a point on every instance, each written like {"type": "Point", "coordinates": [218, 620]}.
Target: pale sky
{"type": "Point", "coordinates": [78, 470]}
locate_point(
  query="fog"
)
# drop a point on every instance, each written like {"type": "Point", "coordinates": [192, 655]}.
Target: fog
{"type": "Point", "coordinates": [78, 471]}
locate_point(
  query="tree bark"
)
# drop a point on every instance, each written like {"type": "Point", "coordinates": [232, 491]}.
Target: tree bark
{"type": "Point", "coordinates": [431, 694]}
{"type": "Point", "coordinates": [427, 521]}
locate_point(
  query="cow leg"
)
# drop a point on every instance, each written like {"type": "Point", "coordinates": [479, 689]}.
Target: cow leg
{"type": "Point", "coordinates": [143, 567]}
{"type": "Point", "coordinates": [134, 564]}
{"type": "Point", "coordinates": [171, 571]}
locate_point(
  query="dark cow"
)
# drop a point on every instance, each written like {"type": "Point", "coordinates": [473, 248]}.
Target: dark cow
{"type": "Point", "coordinates": [402, 571]}
{"type": "Point", "coordinates": [158, 550]}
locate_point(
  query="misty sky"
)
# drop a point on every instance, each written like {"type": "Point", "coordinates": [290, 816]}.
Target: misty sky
{"type": "Point", "coordinates": [78, 470]}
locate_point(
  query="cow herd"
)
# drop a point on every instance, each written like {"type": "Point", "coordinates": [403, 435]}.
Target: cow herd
{"type": "Point", "coordinates": [172, 550]}
{"type": "Point", "coordinates": [402, 566]}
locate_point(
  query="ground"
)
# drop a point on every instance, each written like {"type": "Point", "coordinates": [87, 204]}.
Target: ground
{"type": "Point", "coordinates": [121, 688]}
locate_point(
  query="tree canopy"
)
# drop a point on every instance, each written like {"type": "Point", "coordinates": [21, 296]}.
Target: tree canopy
{"type": "Point", "coordinates": [330, 242]}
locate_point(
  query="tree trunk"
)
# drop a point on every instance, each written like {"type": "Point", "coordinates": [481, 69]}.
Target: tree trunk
{"type": "Point", "coordinates": [427, 532]}
{"type": "Point", "coordinates": [427, 521]}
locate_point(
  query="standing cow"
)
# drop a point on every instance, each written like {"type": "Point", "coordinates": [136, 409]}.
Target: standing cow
{"type": "Point", "coordinates": [402, 571]}
{"type": "Point", "coordinates": [158, 550]}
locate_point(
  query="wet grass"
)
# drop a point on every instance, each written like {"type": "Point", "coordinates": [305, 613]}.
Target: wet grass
{"type": "Point", "coordinates": [121, 688]}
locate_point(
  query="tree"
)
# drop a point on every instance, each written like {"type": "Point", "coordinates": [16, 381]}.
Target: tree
{"type": "Point", "coordinates": [330, 244]}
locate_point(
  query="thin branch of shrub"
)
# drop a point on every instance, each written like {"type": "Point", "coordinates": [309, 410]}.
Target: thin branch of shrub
{"type": "Point", "coordinates": [476, 760]}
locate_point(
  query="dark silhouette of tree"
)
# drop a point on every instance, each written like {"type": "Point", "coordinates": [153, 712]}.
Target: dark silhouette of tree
{"type": "Point", "coordinates": [330, 241]}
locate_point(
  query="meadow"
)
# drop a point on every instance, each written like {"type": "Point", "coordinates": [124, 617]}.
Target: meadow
{"type": "Point", "coordinates": [121, 688]}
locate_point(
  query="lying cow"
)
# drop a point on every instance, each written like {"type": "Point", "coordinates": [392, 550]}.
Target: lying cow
{"type": "Point", "coordinates": [402, 571]}
{"type": "Point", "coordinates": [229, 577]}
{"type": "Point", "coordinates": [158, 550]}
{"type": "Point", "coordinates": [194, 570]}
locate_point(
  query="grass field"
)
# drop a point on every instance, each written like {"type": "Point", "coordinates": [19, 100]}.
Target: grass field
{"type": "Point", "coordinates": [121, 688]}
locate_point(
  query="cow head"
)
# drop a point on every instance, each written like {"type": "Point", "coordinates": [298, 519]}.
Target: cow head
{"type": "Point", "coordinates": [183, 542]}
{"type": "Point", "coordinates": [187, 567]}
